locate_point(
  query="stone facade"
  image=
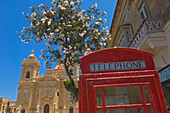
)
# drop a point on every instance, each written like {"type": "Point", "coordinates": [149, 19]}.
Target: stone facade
{"type": "Point", "coordinates": [44, 94]}
{"type": "Point", "coordinates": [7, 106]}
{"type": "Point", "coordinates": [144, 24]}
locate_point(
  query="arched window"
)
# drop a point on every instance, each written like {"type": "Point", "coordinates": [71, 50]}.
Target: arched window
{"type": "Point", "coordinates": [46, 108]}
{"type": "Point", "coordinates": [58, 95]}
{"type": "Point", "coordinates": [23, 111]}
{"type": "Point", "coordinates": [28, 74]}
{"type": "Point", "coordinates": [71, 110]}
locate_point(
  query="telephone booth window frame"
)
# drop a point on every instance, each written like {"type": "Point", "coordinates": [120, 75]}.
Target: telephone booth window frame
{"type": "Point", "coordinates": [145, 105]}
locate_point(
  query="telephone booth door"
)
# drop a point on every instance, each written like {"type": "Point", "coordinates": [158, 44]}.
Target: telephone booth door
{"type": "Point", "coordinates": [122, 96]}
{"type": "Point", "coordinates": [120, 80]}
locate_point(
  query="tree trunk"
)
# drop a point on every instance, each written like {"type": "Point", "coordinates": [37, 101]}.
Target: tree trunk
{"type": "Point", "coordinates": [72, 87]}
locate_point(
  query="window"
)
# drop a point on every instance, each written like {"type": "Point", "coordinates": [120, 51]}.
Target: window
{"type": "Point", "coordinates": [46, 108]}
{"type": "Point", "coordinates": [71, 110]}
{"type": "Point", "coordinates": [3, 108]}
{"type": "Point", "coordinates": [122, 99]}
{"type": "Point", "coordinates": [28, 74]}
{"type": "Point", "coordinates": [143, 12]}
{"type": "Point", "coordinates": [23, 111]}
{"type": "Point", "coordinates": [122, 43]}
{"type": "Point", "coordinates": [58, 95]}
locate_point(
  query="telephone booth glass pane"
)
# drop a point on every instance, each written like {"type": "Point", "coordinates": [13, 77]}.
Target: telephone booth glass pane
{"type": "Point", "coordinates": [126, 110]}
{"type": "Point", "coordinates": [122, 95]}
{"type": "Point", "coordinates": [99, 96]}
{"type": "Point", "coordinates": [146, 93]}
{"type": "Point", "coordinates": [150, 110]}
{"type": "Point", "coordinates": [99, 111]}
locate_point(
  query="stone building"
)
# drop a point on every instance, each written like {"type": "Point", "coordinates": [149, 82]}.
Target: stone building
{"type": "Point", "coordinates": [145, 24]}
{"type": "Point", "coordinates": [44, 94]}
{"type": "Point", "coordinates": [7, 106]}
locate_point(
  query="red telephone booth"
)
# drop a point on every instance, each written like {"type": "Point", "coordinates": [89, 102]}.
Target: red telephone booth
{"type": "Point", "coordinates": [120, 80]}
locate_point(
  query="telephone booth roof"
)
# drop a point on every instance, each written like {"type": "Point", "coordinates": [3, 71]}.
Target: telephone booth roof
{"type": "Point", "coordinates": [121, 59]}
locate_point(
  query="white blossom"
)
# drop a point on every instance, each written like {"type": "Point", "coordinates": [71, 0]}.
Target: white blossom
{"type": "Point", "coordinates": [44, 12]}
{"type": "Point", "coordinates": [49, 22]}
{"type": "Point", "coordinates": [76, 52]}
{"type": "Point", "coordinates": [97, 23]}
{"type": "Point", "coordinates": [62, 35]}
{"type": "Point", "coordinates": [88, 51]}
{"type": "Point", "coordinates": [54, 2]}
{"type": "Point", "coordinates": [73, 8]}
{"type": "Point", "coordinates": [34, 14]}
{"type": "Point", "coordinates": [77, 3]}
{"type": "Point", "coordinates": [104, 39]}
{"type": "Point", "coordinates": [48, 29]}
{"type": "Point", "coordinates": [79, 14]}
{"type": "Point", "coordinates": [52, 34]}
{"type": "Point", "coordinates": [103, 28]}
{"type": "Point", "coordinates": [66, 3]}
{"type": "Point", "coordinates": [100, 19]}
{"type": "Point", "coordinates": [96, 30]}
{"type": "Point", "coordinates": [59, 6]}
{"type": "Point", "coordinates": [42, 51]}
{"type": "Point", "coordinates": [61, 18]}
{"type": "Point", "coordinates": [101, 44]}
{"type": "Point", "coordinates": [83, 11]}
{"type": "Point", "coordinates": [72, 3]}
{"type": "Point", "coordinates": [87, 24]}
{"type": "Point", "coordinates": [69, 25]}
{"type": "Point", "coordinates": [63, 8]}
{"type": "Point", "coordinates": [45, 63]}
{"type": "Point", "coordinates": [105, 20]}
{"type": "Point", "coordinates": [81, 34]}
{"type": "Point", "coordinates": [84, 32]}
{"type": "Point", "coordinates": [104, 12]}
{"type": "Point", "coordinates": [57, 30]}
{"type": "Point", "coordinates": [44, 19]}
{"type": "Point", "coordinates": [41, 5]}
{"type": "Point", "coordinates": [70, 47]}
{"type": "Point", "coordinates": [52, 12]}
{"type": "Point", "coordinates": [94, 6]}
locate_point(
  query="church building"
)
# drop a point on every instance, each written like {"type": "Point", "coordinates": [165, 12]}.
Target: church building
{"type": "Point", "coordinates": [44, 94]}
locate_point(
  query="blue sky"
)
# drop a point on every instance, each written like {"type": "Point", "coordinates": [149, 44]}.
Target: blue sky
{"type": "Point", "coordinates": [13, 51]}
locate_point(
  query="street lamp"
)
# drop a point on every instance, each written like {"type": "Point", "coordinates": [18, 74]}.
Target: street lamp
{"type": "Point", "coordinates": [19, 109]}
{"type": "Point", "coordinates": [38, 108]}
{"type": "Point", "coordinates": [54, 107]}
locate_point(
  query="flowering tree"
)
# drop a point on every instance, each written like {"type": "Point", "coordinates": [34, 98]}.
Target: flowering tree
{"type": "Point", "coordinates": [69, 32]}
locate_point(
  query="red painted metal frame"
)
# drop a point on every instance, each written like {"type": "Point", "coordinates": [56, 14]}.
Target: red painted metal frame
{"type": "Point", "coordinates": [91, 80]}
{"type": "Point", "coordinates": [116, 55]}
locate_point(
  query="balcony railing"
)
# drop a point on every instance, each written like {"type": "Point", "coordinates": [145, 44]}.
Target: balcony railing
{"type": "Point", "coordinates": [147, 26]}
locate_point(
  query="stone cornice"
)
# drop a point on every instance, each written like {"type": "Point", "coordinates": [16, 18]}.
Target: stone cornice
{"type": "Point", "coordinates": [117, 17]}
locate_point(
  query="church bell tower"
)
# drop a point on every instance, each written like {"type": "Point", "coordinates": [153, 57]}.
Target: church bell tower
{"type": "Point", "coordinates": [30, 68]}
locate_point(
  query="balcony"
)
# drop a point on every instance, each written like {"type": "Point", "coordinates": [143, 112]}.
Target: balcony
{"type": "Point", "coordinates": [150, 34]}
